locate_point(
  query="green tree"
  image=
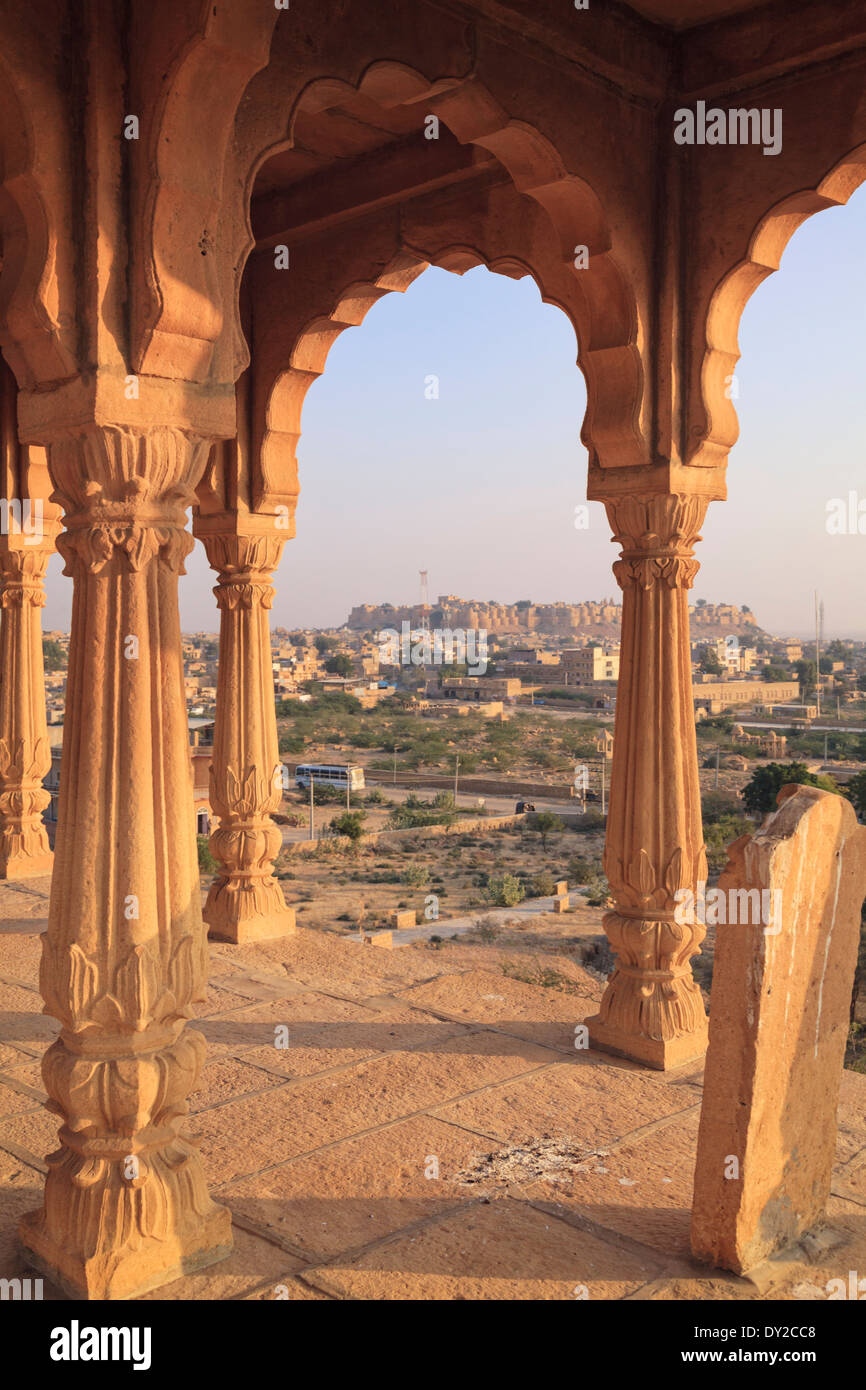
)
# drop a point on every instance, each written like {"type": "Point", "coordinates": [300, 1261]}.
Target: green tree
{"type": "Point", "coordinates": [206, 862]}
{"type": "Point", "coordinates": [774, 673]}
{"type": "Point", "coordinates": [708, 662]}
{"type": "Point", "coordinates": [53, 655]}
{"type": "Point", "coordinates": [806, 671]}
{"type": "Point", "coordinates": [350, 823]}
{"type": "Point", "coordinates": [340, 665]}
{"type": "Point", "coordinates": [546, 823]}
{"type": "Point", "coordinates": [857, 793]}
{"type": "Point", "coordinates": [759, 795]}
{"type": "Point", "coordinates": [324, 644]}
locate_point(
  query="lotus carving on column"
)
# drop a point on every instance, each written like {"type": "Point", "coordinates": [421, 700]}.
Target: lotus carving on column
{"type": "Point", "coordinates": [71, 986]}
{"type": "Point", "coordinates": [638, 887]}
{"type": "Point", "coordinates": [121, 1096]}
{"type": "Point", "coordinates": [247, 797]}
{"type": "Point", "coordinates": [21, 767]}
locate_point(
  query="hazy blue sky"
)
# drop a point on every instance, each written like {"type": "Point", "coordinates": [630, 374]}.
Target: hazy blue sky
{"type": "Point", "coordinates": [479, 487]}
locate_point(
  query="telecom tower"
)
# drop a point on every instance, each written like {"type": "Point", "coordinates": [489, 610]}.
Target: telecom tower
{"type": "Point", "coordinates": [819, 639]}
{"type": "Point", "coordinates": [425, 602]}
{"type": "Point", "coordinates": [425, 620]}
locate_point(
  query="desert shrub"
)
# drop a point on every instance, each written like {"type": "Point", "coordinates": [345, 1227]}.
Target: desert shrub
{"type": "Point", "coordinates": [291, 743]}
{"type": "Point", "coordinates": [715, 804]}
{"type": "Point", "coordinates": [415, 876]}
{"type": "Point", "coordinates": [206, 862]}
{"type": "Point", "coordinates": [719, 834]}
{"type": "Point", "coordinates": [581, 869]}
{"type": "Point", "coordinates": [542, 885]}
{"type": "Point", "coordinates": [597, 890]}
{"type": "Point", "coordinates": [350, 824]}
{"type": "Point", "coordinates": [504, 890]}
{"type": "Point", "coordinates": [333, 796]}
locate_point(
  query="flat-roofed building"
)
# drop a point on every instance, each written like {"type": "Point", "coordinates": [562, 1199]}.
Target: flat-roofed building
{"type": "Point", "coordinates": [588, 665]}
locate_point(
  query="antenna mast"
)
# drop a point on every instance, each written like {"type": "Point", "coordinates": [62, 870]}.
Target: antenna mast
{"type": "Point", "coordinates": [819, 624]}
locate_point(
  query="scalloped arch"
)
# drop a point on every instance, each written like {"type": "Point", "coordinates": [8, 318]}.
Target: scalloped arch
{"type": "Point", "coordinates": [604, 313]}
{"type": "Point", "coordinates": [766, 246]}
{"type": "Point", "coordinates": [30, 288]}
{"type": "Point", "coordinates": [309, 355]}
{"type": "Point", "coordinates": [180, 288]}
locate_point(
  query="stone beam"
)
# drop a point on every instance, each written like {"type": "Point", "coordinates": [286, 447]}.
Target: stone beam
{"type": "Point", "coordinates": [390, 175]}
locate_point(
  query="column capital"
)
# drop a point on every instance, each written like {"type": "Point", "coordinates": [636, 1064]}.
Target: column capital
{"type": "Point", "coordinates": [125, 492]}
{"type": "Point", "coordinates": [657, 535]}
{"type": "Point", "coordinates": [22, 571]}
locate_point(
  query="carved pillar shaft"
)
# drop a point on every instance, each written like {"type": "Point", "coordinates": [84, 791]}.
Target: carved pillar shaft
{"type": "Point", "coordinates": [652, 1009]}
{"type": "Point", "coordinates": [25, 758]}
{"type": "Point", "coordinates": [124, 957]}
{"type": "Point", "coordinates": [245, 902]}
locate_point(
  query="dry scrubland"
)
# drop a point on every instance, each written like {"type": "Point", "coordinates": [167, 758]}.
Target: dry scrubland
{"type": "Point", "coordinates": [345, 886]}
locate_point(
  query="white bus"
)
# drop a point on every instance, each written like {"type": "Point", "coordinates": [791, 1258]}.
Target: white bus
{"type": "Point", "coordinates": [337, 775]}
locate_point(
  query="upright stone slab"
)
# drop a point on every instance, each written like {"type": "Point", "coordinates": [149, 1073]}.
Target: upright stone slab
{"type": "Point", "coordinates": [778, 1023]}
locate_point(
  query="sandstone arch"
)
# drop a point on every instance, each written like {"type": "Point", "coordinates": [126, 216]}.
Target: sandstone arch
{"type": "Point", "coordinates": [765, 249]}
{"type": "Point", "coordinates": [36, 301]}
{"type": "Point", "coordinates": [603, 303]}
{"type": "Point", "coordinates": [181, 277]}
{"type": "Point", "coordinates": [280, 426]}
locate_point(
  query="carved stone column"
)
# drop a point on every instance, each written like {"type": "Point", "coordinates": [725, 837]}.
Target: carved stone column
{"type": "Point", "coordinates": [124, 957]}
{"type": "Point", "coordinates": [652, 1009]}
{"type": "Point", "coordinates": [245, 902]}
{"type": "Point", "coordinates": [25, 757]}
{"type": "Point", "coordinates": [27, 539]}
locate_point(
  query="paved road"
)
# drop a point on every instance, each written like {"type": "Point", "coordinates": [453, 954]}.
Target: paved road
{"type": "Point", "coordinates": [498, 805]}
{"type": "Point", "coordinates": [812, 728]}
{"type": "Point", "coordinates": [458, 926]}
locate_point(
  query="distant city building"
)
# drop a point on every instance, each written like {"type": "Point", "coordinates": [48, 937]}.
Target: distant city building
{"type": "Point", "coordinates": [481, 688]}
{"type": "Point", "coordinates": [598, 619]}
{"type": "Point", "coordinates": [722, 694]}
{"type": "Point", "coordinates": [589, 665]}
{"type": "Point", "coordinates": [450, 611]}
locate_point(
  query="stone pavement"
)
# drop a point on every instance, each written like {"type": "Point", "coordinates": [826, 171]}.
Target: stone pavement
{"type": "Point", "coordinates": [429, 1132]}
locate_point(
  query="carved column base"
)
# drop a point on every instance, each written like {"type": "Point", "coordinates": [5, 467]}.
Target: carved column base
{"type": "Point", "coordinates": [21, 863]}
{"type": "Point", "coordinates": [126, 1207]}
{"type": "Point", "coordinates": [652, 1010]}
{"type": "Point", "coordinates": [659, 1053]}
{"type": "Point", "coordinates": [111, 1275]}
{"type": "Point", "coordinates": [239, 911]}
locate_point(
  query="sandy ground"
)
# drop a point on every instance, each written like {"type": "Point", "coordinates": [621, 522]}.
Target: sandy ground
{"type": "Point", "coordinates": [430, 1132]}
